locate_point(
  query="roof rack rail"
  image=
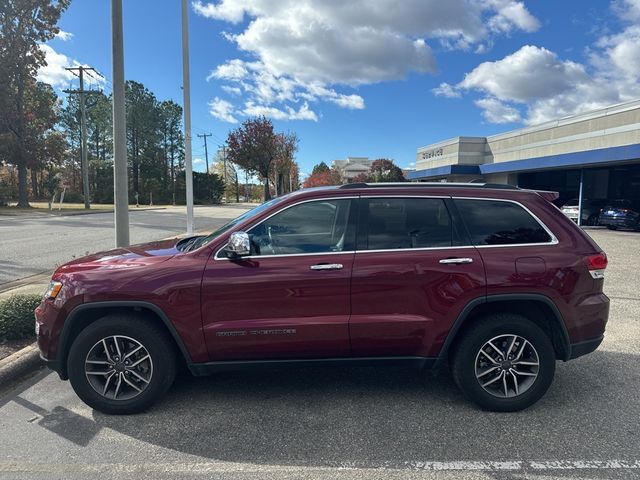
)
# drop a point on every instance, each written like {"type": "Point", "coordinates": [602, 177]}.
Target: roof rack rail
{"type": "Point", "coordinates": [499, 186]}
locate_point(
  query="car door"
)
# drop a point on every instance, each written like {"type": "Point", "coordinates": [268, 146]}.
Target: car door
{"type": "Point", "coordinates": [290, 297]}
{"type": "Point", "coordinates": [413, 273]}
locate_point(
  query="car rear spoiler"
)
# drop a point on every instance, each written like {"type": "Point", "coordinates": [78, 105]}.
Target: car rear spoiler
{"type": "Point", "coordinates": [548, 195]}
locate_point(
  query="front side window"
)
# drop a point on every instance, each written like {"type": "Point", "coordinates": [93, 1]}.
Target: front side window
{"type": "Point", "coordinates": [399, 223]}
{"type": "Point", "coordinates": [495, 222]}
{"type": "Point", "coordinates": [313, 227]}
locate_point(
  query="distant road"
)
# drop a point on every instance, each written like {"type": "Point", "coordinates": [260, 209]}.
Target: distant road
{"type": "Point", "coordinates": [32, 245]}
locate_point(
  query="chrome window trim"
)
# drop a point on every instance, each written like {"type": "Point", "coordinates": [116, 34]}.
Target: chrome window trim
{"type": "Point", "coordinates": [344, 197]}
{"type": "Point", "coordinates": [554, 239]}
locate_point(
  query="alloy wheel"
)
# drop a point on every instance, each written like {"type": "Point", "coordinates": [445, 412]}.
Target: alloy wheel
{"type": "Point", "coordinates": [507, 366]}
{"type": "Point", "coordinates": [118, 367]}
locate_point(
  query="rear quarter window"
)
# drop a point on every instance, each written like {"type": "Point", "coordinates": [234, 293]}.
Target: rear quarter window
{"type": "Point", "coordinates": [496, 222]}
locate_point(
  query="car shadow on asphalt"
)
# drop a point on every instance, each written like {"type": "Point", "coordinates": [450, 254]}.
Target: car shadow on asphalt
{"type": "Point", "coordinates": [379, 417]}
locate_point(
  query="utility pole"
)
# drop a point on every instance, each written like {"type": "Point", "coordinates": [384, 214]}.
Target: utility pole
{"type": "Point", "coordinates": [186, 92]}
{"type": "Point", "coordinates": [120, 180]}
{"type": "Point", "coordinates": [206, 156]}
{"type": "Point", "coordinates": [81, 70]}
{"type": "Point", "coordinates": [224, 161]}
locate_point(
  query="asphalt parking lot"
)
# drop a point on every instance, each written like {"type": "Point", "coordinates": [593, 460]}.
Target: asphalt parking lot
{"type": "Point", "coordinates": [350, 423]}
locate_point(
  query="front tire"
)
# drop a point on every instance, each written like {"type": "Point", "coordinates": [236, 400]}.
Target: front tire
{"type": "Point", "coordinates": [504, 363]}
{"type": "Point", "coordinates": [121, 364]}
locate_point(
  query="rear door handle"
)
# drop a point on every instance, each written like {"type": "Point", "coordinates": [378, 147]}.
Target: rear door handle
{"type": "Point", "coordinates": [456, 261]}
{"type": "Point", "coordinates": [326, 266]}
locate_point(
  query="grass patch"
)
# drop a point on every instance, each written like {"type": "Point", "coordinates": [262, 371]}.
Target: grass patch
{"type": "Point", "coordinates": [16, 316]}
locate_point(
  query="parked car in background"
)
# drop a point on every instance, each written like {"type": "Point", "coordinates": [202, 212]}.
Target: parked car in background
{"type": "Point", "coordinates": [620, 214]}
{"type": "Point", "coordinates": [490, 279]}
{"type": "Point", "coordinates": [590, 210]}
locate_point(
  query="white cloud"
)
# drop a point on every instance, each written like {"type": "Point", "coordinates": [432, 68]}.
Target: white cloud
{"type": "Point", "coordinates": [495, 111]}
{"type": "Point", "coordinates": [534, 85]}
{"type": "Point", "coordinates": [628, 10]}
{"type": "Point", "coordinates": [64, 36]}
{"type": "Point", "coordinates": [446, 90]}
{"type": "Point", "coordinates": [303, 113]}
{"type": "Point", "coordinates": [222, 110]}
{"type": "Point", "coordinates": [305, 49]}
{"type": "Point", "coordinates": [530, 73]}
{"type": "Point", "coordinates": [198, 161]}
{"type": "Point", "coordinates": [512, 15]}
{"type": "Point", "coordinates": [54, 72]}
{"type": "Point", "coordinates": [231, 90]}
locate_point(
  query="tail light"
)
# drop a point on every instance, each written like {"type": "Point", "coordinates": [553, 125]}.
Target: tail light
{"type": "Point", "coordinates": [597, 264]}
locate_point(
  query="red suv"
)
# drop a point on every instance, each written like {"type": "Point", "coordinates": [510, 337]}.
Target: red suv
{"type": "Point", "coordinates": [492, 280]}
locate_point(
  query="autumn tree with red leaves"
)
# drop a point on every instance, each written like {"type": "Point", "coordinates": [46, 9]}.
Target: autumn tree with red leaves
{"type": "Point", "coordinates": [323, 178]}
{"type": "Point", "coordinates": [257, 148]}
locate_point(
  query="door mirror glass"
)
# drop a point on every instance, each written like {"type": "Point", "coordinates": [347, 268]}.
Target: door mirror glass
{"type": "Point", "coordinates": [239, 245]}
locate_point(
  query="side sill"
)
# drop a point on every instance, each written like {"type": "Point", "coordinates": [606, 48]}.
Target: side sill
{"type": "Point", "coordinates": [208, 368]}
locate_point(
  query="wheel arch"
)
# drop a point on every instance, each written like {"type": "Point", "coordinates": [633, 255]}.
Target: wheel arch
{"type": "Point", "coordinates": [85, 314]}
{"type": "Point", "coordinates": [540, 309]}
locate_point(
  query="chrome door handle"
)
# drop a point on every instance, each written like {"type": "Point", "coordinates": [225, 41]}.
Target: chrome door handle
{"type": "Point", "coordinates": [456, 261]}
{"type": "Point", "coordinates": [326, 266]}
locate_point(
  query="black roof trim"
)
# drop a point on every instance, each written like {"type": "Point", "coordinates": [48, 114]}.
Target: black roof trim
{"type": "Point", "coordinates": [496, 186]}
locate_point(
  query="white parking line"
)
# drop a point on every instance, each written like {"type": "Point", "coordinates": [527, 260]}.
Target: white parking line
{"type": "Point", "coordinates": [228, 467]}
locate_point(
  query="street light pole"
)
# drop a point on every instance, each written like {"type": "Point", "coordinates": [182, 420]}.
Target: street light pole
{"type": "Point", "coordinates": [120, 181]}
{"type": "Point", "coordinates": [186, 92]}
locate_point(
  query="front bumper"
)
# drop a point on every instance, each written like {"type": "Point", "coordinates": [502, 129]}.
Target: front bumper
{"type": "Point", "coordinates": [53, 365]}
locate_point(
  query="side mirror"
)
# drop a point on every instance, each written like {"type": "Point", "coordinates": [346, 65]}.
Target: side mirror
{"type": "Point", "coordinates": [239, 245]}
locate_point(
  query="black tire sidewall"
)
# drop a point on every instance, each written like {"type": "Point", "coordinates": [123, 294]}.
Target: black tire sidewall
{"type": "Point", "coordinates": [152, 338]}
{"type": "Point", "coordinates": [488, 328]}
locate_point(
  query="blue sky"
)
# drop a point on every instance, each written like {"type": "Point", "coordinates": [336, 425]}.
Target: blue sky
{"type": "Point", "coordinates": [363, 78]}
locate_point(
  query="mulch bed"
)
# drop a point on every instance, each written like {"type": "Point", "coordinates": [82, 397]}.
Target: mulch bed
{"type": "Point", "coordinates": [7, 347]}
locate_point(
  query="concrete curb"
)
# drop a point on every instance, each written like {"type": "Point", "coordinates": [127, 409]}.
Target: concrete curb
{"type": "Point", "coordinates": [19, 364]}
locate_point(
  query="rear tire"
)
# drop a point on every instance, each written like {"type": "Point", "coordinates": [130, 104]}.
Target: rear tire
{"type": "Point", "coordinates": [612, 227]}
{"type": "Point", "coordinates": [504, 363]}
{"type": "Point", "coordinates": [121, 364]}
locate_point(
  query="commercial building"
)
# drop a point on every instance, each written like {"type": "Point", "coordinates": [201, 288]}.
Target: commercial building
{"type": "Point", "coordinates": [352, 167]}
{"type": "Point", "coordinates": [591, 156]}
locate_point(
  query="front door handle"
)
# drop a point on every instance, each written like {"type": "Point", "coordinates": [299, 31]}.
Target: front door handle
{"type": "Point", "coordinates": [326, 266]}
{"type": "Point", "coordinates": [456, 261]}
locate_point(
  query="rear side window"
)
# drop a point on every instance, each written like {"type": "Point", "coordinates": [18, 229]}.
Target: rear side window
{"type": "Point", "coordinates": [393, 223]}
{"type": "Point", "coordinates": [494, 222]}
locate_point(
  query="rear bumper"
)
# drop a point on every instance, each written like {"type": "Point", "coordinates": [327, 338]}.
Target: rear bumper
{"type": "Point", "coordinates": [582, 348]}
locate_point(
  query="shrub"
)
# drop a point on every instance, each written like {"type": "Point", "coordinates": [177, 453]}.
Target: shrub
{"type": "Point", "coordinates": [16, 316]}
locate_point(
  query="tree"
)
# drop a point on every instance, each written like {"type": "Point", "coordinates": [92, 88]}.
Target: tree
{"type": "Point", "coordinates": [254, 146]}
{"type": "Point", "coordinates": [323, 179]}
{"type": "Point", "coordinates": [319, 168]}
{"type": "Point", "coordinates": [39, 144]}
{"type": "Point", "coordinates": [285, 169]}
{"type": "Point", "coordinates": [208, 188]}
{"type": "Point", "coordinates": [381, 171]}
{"type": "Point", "coordinates": [172, 141]}
{"type": "Point", "coordinates": [24, 25]}
{"type": "Point", "coordinates": [143, 118]}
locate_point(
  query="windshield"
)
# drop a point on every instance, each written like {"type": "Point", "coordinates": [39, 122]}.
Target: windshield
{"type": "Point", "coordinates": [245, 216]}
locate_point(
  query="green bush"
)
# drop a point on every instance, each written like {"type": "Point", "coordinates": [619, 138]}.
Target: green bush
{"type": "Point", "coordinates": [16, 316]}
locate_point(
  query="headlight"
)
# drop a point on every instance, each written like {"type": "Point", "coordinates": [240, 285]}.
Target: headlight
{"type": "Point", "coordinates": [53, 290]}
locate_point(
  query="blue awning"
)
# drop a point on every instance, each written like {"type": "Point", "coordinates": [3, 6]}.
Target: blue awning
{"type": "Point", "coordinates": [443, 171]}
{"type": "Point", "coordinates": [566, 160]}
